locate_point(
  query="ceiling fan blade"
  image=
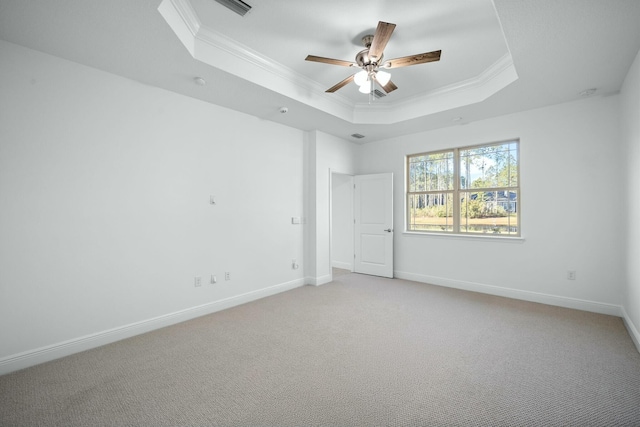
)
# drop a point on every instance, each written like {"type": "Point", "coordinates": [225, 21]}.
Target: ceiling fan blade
{"type": "Point", "coordinates": [341, 84]}
{"type": "Point", "coordinates": [389, 87]}
{"type": "Point", "coordinates": [380, 39]}
{"type": "Point", "coordinates": [420, 58]}
{"type": "Point", "coordinates": [330, 61]}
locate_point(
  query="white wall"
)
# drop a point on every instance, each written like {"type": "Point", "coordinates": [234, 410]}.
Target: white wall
{"type": "Point", "coordinates": [630, 123]}
{"type": "Point", "coordinates": [324, 154]}
{"type": "Point", "coordinates": [342, 221]}
{"type": "Point", "coordinates": [572, 209]}
{"type": "Point", "coordinates": [104, 207]}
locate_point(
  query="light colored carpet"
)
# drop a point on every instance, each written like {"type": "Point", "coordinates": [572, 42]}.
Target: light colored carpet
{"type": "Point", "coordinates": [339, 272]}
{"type": "Point", "coordinates": [360, 351]}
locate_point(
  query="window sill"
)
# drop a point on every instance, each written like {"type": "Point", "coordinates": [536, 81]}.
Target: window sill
{"type": "Point", "coordinates": [483, 237]}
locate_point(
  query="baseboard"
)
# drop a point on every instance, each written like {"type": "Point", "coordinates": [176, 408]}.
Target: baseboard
{"type": "Point", "coordinates": [66, 348]}
{"type": "Point", "coordinates": [560, 301]}
{"type": "Point", "coordinates": [317, 281]}
{"type": "Point", "coordinates": [631, 328]}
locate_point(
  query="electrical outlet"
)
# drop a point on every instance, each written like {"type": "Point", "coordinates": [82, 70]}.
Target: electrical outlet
{"type": "Point", "coordinates": [197, 281]}
{"type": "Point", "coordinates": [571, 275]}
{"type": "Point", "coordinates": [214, 279]}
{"type": "Point", "coordinates": [227, 276]}
{"type": "Point", "coordinates": [294, 264]}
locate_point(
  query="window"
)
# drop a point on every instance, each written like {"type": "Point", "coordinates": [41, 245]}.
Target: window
{"type": "Point", "coordinates": [472, 190]}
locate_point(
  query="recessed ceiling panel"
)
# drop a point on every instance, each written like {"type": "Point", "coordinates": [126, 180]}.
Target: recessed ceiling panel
{"type": "Point", "coordinates": [268, 46]}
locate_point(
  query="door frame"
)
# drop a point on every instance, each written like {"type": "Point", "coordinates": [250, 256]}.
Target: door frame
{"type": "Point", "coordinates": [331, 225]}
{"type": "Point", "coordinates": [353, 231]}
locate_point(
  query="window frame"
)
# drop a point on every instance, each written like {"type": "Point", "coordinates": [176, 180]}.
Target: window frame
{"type": "Point", "coordinates": [457, 191]}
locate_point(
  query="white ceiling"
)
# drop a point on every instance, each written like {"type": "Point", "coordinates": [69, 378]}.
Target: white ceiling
{"type": "Point", "coordinates": [498, 56]}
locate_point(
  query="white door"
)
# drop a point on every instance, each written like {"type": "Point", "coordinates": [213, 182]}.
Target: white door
{"type": "Point", "coordinates": [374, 224]}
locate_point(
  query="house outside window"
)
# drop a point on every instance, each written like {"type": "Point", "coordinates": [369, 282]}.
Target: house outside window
{"type": "Point", "coordinates": [470, 190]}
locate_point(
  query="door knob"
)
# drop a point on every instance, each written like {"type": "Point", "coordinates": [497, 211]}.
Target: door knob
{"type": "Point", "coordinates": [388, 230]}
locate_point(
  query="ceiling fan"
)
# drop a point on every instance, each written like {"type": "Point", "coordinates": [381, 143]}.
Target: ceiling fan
{"type": "Point", "coordinates": [371, 61]}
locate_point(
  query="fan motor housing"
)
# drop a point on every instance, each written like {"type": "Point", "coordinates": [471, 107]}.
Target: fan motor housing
{"type": "Point", "coordinates": [363, 60]}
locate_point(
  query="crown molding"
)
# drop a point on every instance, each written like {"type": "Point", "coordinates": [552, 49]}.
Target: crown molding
{"type": "Point", "coordinates": [183, 20]}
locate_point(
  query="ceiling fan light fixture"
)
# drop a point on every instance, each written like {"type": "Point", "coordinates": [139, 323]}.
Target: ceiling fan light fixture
{"type": "Point", "coordinates": [383, 77]}
{"type": "Point", "coordinates": [365, 88]}
{"type": "Point", "coordinates": [361, 78]}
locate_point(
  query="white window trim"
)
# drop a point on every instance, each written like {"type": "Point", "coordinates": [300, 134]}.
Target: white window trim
{"type": "Point", "coordinates": [456, 202]}
{"type": "Point", "coordinates": [489, 237]}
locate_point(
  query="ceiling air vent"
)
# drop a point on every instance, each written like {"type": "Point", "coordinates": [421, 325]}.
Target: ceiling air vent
{"type": "Point", "coordinates": [378, 94]}
{"type": "Point", "coordinates": [238, 6]}
{"type": "Point", "coordinates": [357, 135]}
